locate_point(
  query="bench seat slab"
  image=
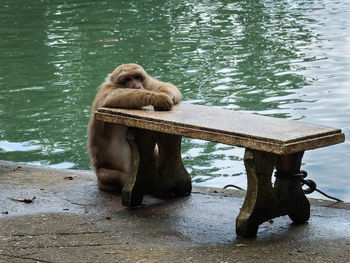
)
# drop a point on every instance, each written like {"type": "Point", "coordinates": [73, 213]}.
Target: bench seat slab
{"type": "Point", "coordinates": [228, 127]}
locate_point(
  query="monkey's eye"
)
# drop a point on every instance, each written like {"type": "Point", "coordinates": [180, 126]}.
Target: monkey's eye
{"type": "Point", "coordinates": [137, 77]}
{"type": "Point", "coordinates": [127, 79]}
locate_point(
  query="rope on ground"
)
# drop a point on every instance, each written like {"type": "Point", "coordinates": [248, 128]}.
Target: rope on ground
{"type": "Point", "coordinates": [232, 185]}
{"type": "Point", "coordinates": [312, 186]}
{"type": "Point", "coordinates": [299, 176]}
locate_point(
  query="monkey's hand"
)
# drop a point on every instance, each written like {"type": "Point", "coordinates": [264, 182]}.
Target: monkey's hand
{"type": "Point", "coordinates": [172, 92]}
{"type": "Point", "coordinates": [162, 102]}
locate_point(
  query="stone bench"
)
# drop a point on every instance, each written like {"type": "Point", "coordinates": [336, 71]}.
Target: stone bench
{"type": "Point", "coordinates": [270, 144]}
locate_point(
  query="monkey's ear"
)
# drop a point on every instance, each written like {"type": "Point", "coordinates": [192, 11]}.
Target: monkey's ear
{"type": "Point", "coordinates": [109, 79]}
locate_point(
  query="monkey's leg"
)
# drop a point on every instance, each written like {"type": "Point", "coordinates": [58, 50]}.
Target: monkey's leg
{"type": "Point", "coordinates": [261, 203]}
{"type": "Point", "coordinates": [289, 189]}
{"type": "Point", "coordinates": [173, 179]}
{"type": "Point", "coordinates": [110, 180]}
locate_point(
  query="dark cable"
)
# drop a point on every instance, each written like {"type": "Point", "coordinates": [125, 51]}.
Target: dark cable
{"type": "Point", "coordinates": [299, 176]}
{"type": "Point", "coordinates": [232, 185]}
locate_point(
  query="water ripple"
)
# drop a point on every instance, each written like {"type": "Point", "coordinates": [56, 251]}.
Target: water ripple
{"type": "Point", "coordinates": [287, 59]}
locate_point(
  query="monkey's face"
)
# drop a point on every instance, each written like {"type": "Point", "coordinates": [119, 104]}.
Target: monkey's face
{"type": "Point", "coordinates": [133, 81]}
{"type": "Point", "coordinates": [129, 76]}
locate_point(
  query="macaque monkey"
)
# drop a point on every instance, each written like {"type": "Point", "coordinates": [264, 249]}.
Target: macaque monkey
{"type": "Point", "coordinates": [127, 87]}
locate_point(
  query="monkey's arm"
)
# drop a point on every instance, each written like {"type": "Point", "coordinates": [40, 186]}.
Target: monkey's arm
{"type": "Point", "coordinates": [135, 99]}
{"type": "Point", "coordinates": [165, 87]}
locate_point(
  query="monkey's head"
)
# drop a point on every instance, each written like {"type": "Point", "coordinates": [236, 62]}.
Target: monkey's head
{"type": "Point", "coordinates": [129, 76]}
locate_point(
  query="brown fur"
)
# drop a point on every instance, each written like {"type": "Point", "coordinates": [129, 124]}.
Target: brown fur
{"type": "Point", "coordinates": [128, 87]}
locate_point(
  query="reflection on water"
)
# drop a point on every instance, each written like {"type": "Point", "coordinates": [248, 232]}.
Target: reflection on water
{"type": "Point", "coordinates": [288, 59]}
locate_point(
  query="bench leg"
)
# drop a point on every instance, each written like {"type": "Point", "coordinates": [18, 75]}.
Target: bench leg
{"type": "Point", "coordinates": [264, 201]}
{"type": "Point", "coordinates": [288, 188]}
{"type": "Point", "coordinates": [173, 179]}
{"type": "Point", "coordinates": [154, 170]}
{"type": "Point", "coordinates": [261, 203]}
{"type": "Point", "coordinates": [143, 166]}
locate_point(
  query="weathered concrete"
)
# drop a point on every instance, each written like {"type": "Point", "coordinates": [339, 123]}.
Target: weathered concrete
{"type": "Point", "coordinates": [72, 221]}
{"type": "Point", "coordinates": [263, 133]}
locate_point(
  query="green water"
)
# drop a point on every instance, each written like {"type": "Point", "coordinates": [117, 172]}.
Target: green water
{"type": "Point", "coordinates": [288, 59]}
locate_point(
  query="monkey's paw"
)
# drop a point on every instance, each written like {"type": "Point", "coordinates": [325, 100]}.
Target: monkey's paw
{"type": "Point", "coordinates": [162, 102]}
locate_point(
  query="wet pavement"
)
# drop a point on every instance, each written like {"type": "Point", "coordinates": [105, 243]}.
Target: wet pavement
{"type": "Point", "coordinates": [55, 215]}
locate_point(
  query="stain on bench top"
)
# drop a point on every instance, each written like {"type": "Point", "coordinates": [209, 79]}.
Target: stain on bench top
{"type": "Point", "coordinates": [280, 136]}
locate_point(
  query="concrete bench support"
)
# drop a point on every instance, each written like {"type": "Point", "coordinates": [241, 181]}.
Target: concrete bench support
{"type": "Point", "coordinates": [263, 200]}
{"type": "Point", "coordinates": [164, 177]}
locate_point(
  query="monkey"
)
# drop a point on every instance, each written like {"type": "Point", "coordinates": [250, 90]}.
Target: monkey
{"type": "Point", "coordinates": [127, 87]}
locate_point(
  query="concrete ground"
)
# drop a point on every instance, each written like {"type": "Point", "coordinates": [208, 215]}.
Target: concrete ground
{"type": "Point", "coordinates": [67, 219]}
